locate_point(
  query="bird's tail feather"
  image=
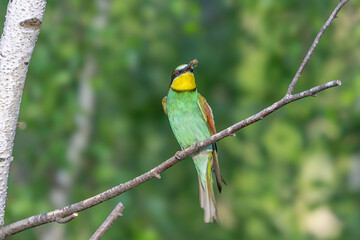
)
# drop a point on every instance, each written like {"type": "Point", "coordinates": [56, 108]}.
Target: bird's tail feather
{"type": "Point", "coordinates": [207, 202]}
{"type": "Point", "coordinates": [207, 198]}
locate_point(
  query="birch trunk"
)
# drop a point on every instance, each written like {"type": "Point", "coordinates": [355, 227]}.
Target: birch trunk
{"type": "Point", "coordinates": [21, 29]}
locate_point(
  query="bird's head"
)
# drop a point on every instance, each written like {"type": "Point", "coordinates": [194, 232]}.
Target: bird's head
{"type": "Point", "coordinates": [182, 78]}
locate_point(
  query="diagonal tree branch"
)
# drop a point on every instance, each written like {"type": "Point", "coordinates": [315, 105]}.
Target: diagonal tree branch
{"type": "Point", "coordinates": [313, 46]}
{"type": "Point", "coordinates": [58, 214]}
{"type": "Point", "coordinates": [117, 212]}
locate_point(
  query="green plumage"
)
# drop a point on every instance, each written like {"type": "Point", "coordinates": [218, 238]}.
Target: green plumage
{"type": "Point", "coordinates": [192, 121]}
{"type": "Point", "coordinates": [186, 120]}
{"type": "Point", "coordinates": [189, 126]}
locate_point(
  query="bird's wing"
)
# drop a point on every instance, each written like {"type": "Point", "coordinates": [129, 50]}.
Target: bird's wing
{"type": "Point", "coordinates": [209, 119]}
{"type": "Point", "coordinates": [163, 102]}
{"type": "Point", "coordinates": [206, 113]}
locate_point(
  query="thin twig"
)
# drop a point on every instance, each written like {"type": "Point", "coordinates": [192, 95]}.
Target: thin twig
{"type": "Point", "coordinates": [67, 219]}
{"type": "Point", "coordinates": [117, 212]}
{"type": "Point", "coordinates": [313, 46]}
{"type": "Point", "coordinates": [52, 216]}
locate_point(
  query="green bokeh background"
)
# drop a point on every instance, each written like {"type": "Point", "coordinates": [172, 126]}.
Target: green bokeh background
{"type": "Point", "coordinates": [99, 71]}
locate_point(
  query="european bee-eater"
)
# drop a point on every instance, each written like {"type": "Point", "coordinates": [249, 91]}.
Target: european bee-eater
{"type": "Point", "coordinates": [191, 121]}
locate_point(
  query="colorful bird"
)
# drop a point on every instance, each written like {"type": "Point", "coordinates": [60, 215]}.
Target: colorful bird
{"type": "Point", "coordinates": [191, 121]}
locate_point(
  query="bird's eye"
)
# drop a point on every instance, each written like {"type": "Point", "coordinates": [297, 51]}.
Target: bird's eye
{"type": "Point", "coordinates": [176, 73]}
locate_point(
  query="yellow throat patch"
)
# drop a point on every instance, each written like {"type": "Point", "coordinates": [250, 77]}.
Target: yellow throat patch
{"type": "Point", "coordinates": [184, 82]}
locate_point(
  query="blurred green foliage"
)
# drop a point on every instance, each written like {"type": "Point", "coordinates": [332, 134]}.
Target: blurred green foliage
{"type": "Point", "coordinates": [293, 175]}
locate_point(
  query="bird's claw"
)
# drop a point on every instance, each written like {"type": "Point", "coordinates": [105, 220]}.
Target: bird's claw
{"type": "Point", "coordinates": [178, 155]}
{"type": "Point", "coordinates": [197, 145]}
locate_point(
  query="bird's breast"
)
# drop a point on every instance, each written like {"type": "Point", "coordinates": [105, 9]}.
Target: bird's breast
{"type": "Point", "coordinates": [185, 118]}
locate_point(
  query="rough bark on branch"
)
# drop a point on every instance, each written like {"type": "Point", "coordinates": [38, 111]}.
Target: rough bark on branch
{"type": "Point", "coordinates": [155, 172]}
{"type": "Point", "coordinates": [117, 212]}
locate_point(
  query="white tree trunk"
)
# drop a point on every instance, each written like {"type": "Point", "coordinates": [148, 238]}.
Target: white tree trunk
{"type": "Point", "coordinates": [21, 29]}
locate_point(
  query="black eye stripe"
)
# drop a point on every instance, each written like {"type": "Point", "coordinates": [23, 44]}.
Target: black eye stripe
{"type": "Point", "coordinates": [186, 69]}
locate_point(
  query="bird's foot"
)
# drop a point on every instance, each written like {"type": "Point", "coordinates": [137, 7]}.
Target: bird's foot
{"type": "Point", "coordinates": [178, 155]}
{"type": "Point", "coordinates": [198, 145]}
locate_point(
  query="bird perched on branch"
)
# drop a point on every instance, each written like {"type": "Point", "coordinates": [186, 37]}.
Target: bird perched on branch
{"type": "Point", "coordinates": [191, 121]}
